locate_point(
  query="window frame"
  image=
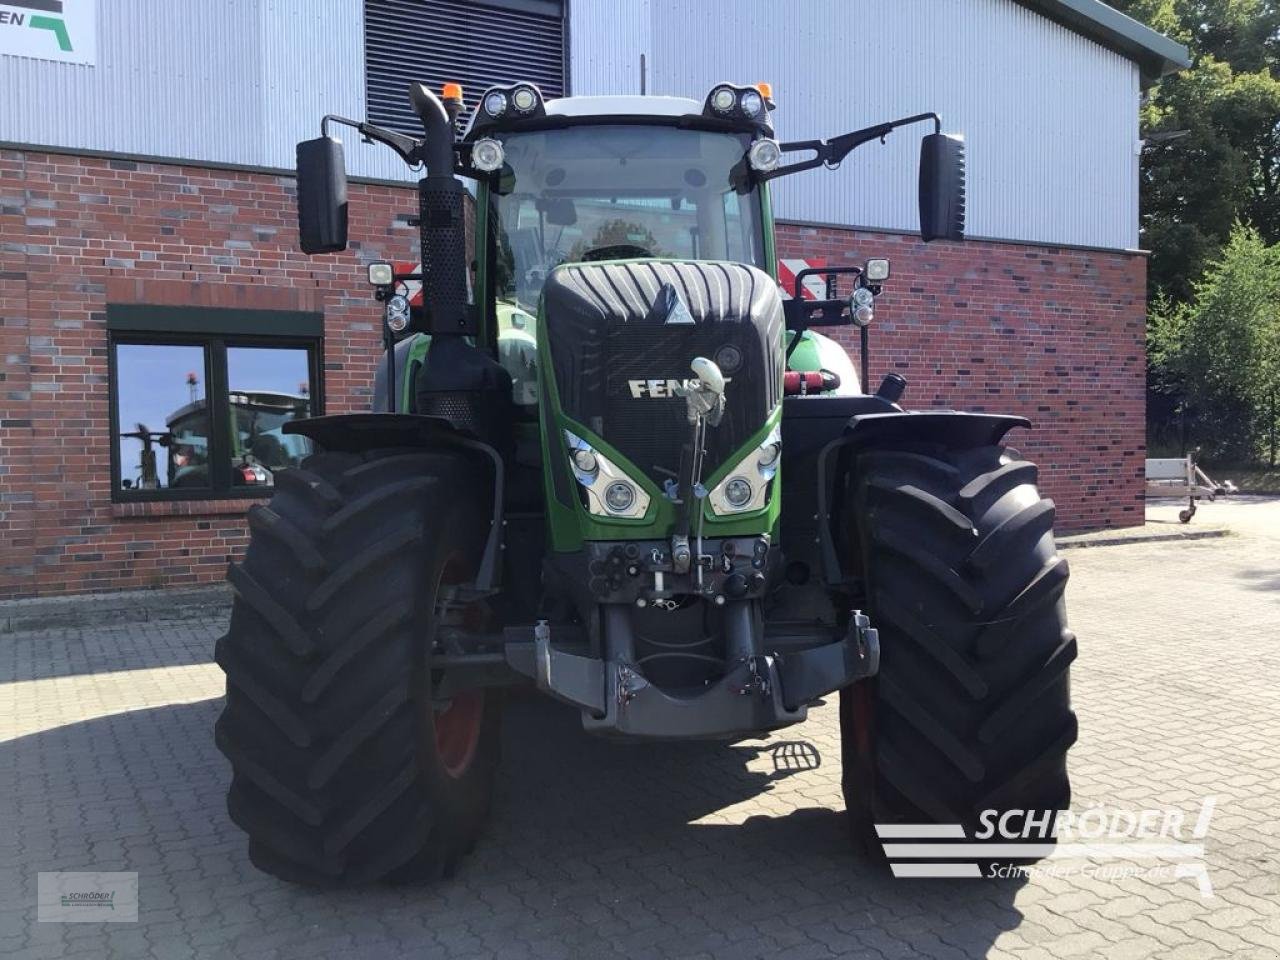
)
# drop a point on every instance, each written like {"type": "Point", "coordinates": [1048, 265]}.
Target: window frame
{"type": "Point", "coordinates": [215, 329]}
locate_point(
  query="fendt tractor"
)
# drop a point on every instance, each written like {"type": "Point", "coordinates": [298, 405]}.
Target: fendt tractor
{"type": "Point", "coordinates": [609, 460]}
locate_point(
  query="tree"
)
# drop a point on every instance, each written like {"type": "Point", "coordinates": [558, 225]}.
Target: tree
{"type": "Point", "coordinates": [1220, 351]}
{"type": "Point", "coordinates": [1227, 167]}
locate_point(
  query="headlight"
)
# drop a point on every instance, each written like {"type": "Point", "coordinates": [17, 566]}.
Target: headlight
{"type": "Point", "coordinates": [495, 104]}
{"type": "Point", "coordinates": [524, 99]}
{"type": "Point", "coordinates": [397, 313]}
{"type": "Point", "coordinates": [876, 271]}
{"type": "Point", "coordinates": [751, 103]}
{"type": "Point", "coordinates": [723, 100]}
{"type": "Point", "coordinates": [620, 497]}
{"type": "Point", "coordinates": [381, 274]}
{"type": "Point", "coordinates": [606, 490]}
{"type": "Point", "coordinates": [764, 155]}
{"type": "Point", "coordinates": [487, 155]}
{"type": "Point", "coordinates": [863, 316]}
{"type": "Point", "coordinates": [862, 297]}
{"type": "Point", "coordinates": [740, 491]}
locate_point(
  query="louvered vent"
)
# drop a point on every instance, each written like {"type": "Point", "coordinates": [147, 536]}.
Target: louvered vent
{"type": "Point", "coordinates": [474, 44]}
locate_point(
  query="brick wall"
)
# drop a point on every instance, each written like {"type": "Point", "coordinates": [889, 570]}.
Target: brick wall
{"type": "Point", "coordinates": [77, 233]}
{"type": "Point", "coordinates": [1054, 334]}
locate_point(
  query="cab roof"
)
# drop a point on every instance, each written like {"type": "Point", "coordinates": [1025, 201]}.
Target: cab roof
{"type": "Point", "coordinates": [628, 106]}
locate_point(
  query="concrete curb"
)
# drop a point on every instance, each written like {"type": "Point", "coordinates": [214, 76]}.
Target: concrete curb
{"type": "Point", "coordinates": [96, 610]}
{"type": "Point", "coordinates": [1124, 539]}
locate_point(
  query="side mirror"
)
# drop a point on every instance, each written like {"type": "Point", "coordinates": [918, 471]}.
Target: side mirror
{"type": "Point", "coordinates": [322, 196]}
{"type": "Point", "coordinates": [942, 187]}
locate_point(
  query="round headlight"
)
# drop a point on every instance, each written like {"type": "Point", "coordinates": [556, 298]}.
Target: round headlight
{"type": "Point", "coordinates": [738, 492]}
{"type": "Point", "coordinates": [752, 105]}
{"type": "Point", "coordinates": [764, 155]}
{"type": "Point", "coordinates": [585, 460]}
{"type": "Point", "coordinates": [397, 313]}
{"type": "Point", "coordinates": [768, 455]}
{"type": "Point", "coordinates": [487, 155]}
{"type": "Point", "coordinates": [722, 100]}
{"type": "Point", "coordinates": [620, 497]}
{"type": "Point", "coordinates": [495, 104]}
{"type": "Point", "coordinates": [524, 99]}
{"type": "Point", "coordinates": [863, 316]}
{"type": "Point", "coordinates": [862, 297]}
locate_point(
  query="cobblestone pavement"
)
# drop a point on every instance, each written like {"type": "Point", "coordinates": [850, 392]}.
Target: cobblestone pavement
{"type": "Point", "coordinates": [601, 850]}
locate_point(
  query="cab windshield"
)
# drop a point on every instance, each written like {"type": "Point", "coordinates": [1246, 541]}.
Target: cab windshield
{"type": "Point", "coordinates": [615, 192]}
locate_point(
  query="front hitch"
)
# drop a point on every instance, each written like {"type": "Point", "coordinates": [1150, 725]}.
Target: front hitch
{"type": "Point", "coordinates": [758, 691]}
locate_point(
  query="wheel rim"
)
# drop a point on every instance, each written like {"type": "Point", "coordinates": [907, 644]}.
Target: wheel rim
{"type": "Point", "coordinates": [457, 726]}
{"type": "Point", "coordinates": [457, 729]}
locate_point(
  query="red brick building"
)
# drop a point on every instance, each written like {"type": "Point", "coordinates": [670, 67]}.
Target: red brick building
{"type": "Point", "coordinates": [110, 249]}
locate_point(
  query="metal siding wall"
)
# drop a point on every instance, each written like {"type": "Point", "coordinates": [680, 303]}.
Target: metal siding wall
{"type": "Point", "coordinates": [313, 64]}
{"type": "Point", "coordinates": [159, 85]}
{"type": "Point", "coordinates": [231, 81]}
{"type": "Point", "coordinates": [606, 39]}
{"type": "Point", "coordinates": [1051, 118]}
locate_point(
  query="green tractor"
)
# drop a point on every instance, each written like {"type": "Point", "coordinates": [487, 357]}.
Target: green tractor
{"type": "Point", "coordinates": [610, 461]}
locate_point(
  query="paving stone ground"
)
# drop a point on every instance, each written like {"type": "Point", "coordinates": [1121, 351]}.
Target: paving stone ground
{"type": "Point", "coordinates": [601, 850]}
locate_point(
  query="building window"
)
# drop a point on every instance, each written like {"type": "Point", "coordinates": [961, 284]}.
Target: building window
{"type": "Point", "coordinates": [199, 398]}
{"type": "Point", "coordinates": [477, 43]}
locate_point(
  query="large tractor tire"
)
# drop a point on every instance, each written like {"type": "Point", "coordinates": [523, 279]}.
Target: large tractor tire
{"type": "Point", "coordinates": [345, 769]}
{"type": "Point", "coordinates": [971, 708]}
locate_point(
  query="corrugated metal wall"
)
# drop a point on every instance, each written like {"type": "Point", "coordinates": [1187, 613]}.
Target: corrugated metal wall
{"type": "Point", "coordinates": [233, 81]}
{"type": "Point", "coordinates": [1051, 117]}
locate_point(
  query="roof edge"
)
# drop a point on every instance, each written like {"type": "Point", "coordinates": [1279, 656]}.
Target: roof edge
{"type": "Point", "coordinates": [1155, 54]}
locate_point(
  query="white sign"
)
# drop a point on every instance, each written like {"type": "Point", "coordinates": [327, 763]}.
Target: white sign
{"type": "Point", "coordinates": [62, 30]}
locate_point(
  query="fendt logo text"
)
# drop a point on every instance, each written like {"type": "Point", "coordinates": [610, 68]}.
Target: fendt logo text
{"type": "Point", "coordinates": [660, 389]}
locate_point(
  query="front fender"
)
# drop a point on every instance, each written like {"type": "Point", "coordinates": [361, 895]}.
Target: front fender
{"type": "Point", "coordinates": [954, 429]}
{"type": "Point", "coordinates": [356, 432]}
{"type": "Point", "coordinates": [951, 428]}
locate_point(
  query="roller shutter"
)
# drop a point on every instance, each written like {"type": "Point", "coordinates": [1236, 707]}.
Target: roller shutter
{"type": "Point", "coordinates": [475, 44]}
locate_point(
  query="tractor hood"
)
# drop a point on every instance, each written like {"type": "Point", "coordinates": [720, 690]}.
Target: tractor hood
{"type": "Point", "coordinates": [621, 338]}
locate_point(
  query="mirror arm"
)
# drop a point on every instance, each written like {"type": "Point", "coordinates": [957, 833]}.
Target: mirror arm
{"type": "Point", "coordinates": [408, 148]}
{"type": "Point", "coordinates": [830, 152]}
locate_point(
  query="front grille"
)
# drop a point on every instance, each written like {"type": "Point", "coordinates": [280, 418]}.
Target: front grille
{"type": "Point", "coordinates": [615, 360]}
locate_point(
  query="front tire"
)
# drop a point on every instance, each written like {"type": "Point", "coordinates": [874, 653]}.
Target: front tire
{"type": "Point", "coordinates": [970, 710]}
{"type": "Point", "coordinates": [345, 769]}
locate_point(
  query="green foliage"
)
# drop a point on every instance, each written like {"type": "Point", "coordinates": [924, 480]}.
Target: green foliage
{"type": "Point", "coordinates": [1227, 167]}
{"type": "Point", "coordinates": [1215, 285]}
{"type": "Point", "coordinates": [1220, 350]}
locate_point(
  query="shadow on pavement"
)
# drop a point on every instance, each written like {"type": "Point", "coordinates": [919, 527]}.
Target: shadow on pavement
{"type": "Point", "coordinates": [595, 849]}
{"type": "Point", "coordinates": [1261, 579]}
